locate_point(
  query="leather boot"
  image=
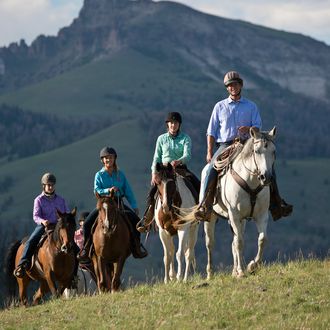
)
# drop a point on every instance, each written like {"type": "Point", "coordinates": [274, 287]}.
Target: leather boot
{"type": "Point", "coordinates": [83, 255]}
{"type": "Point", "coordinates": [147, 219]}
{"type": "Point", "coordinates": [138, 250]}
{"type": "Point", "coordinates": [205, 209]}
{"type": "Point", "coordinates": [278, 207]}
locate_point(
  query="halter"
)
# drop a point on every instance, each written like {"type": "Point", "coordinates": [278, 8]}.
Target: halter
{"type": "Point", "coordinates": [256, 172]}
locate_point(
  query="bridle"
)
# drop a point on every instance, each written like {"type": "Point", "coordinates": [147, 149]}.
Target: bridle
{"type": "Point", "coordinates": [256, 171]}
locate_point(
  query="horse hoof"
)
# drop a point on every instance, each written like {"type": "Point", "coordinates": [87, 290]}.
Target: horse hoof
{"type": "Point", "coordinates": [252, 267]}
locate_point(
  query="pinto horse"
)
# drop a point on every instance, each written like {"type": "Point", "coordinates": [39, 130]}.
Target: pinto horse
{"type": "Point", "coordinates": [52, 265]}
{"type": "Point", "coordinates": [111, 241]}
{"type": "Point", "coordinates": [173, 194]}
{"type": "Point", "coordinates": [243, 193]}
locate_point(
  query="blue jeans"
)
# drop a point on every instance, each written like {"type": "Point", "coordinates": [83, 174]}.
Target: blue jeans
{"type": "Point", "coordinates": [209, 173]}
{"type": "Point", "coordinates": [31, 244]}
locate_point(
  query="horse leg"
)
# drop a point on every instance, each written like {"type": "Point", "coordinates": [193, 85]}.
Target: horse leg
{"type": "Point", "coordinates": [182, 246]}
{"type": "Point", "coordinates": [117, 273]}
{"type": "Point", "coordinates": [237, 246]}
{"type": "Point", "coordinates": [209, 242]}
{"type": "Point", "coordinates": [50, 278]}
{"type": "Point", "coordinates": [22, 287]}
{"type": "Point", "coordinates": [43, 289]}
{"type": "Point", "coordinates": [261, 224]}
{"type": "Point", "coordinates": [168, 247]}
{"type": "Point", "coordinates": [190, 251]}
{"type": "Point", "coordinates": [102, 280]}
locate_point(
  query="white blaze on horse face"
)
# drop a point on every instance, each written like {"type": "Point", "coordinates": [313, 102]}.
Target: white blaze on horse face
{"type": "Point", "coordinates": [106, 220]}
{"type": "Point", "coordinates": [264, 155]}
{"type": "Point", "coordinates": [165, 206]}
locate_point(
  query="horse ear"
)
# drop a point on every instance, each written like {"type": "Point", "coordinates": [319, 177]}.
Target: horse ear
{"type": "Point", "coordinates": [97, 195]}
{"type": "Point", "coordinates": [112, 193]}
{"type": "Point", "coordinates": [254, 132]}
{"type": "Point", "coordinates": [169, 166]}
{"type": "Point", "coordinates": [74, 211]}
{"type": "Point", "coordinates": [59, 213]}
{"type": "Point", "coordinates": [272, 133]}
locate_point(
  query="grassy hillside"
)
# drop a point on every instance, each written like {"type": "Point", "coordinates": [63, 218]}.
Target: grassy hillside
{"type": "Point", "coordinates": [125, 84]}
{"type": "Point", "coordinates": [279, 296]}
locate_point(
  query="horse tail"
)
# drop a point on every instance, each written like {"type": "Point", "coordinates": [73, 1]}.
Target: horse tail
{"type": "Point", "coordinates": [9, 266]}
{"type": "Point", "coordinates": [185, 216]}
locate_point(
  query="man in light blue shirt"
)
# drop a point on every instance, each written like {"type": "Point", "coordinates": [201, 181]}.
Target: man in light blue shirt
{"type": "Point", "coordinates": [231, 118]}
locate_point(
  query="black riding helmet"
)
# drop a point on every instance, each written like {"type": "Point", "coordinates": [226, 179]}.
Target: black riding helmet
{"type": "Point", "coordinates": [107, 151]}
{"type": "Point", "coordinates": [173, 116]}
{"type": "Point", "coordinates": [48, 178]}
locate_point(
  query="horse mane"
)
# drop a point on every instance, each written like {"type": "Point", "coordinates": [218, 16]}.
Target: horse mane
{"type": "Point", "coordinates": [165, 172]}
{"type": "Point", "coordinates": [247, 148]}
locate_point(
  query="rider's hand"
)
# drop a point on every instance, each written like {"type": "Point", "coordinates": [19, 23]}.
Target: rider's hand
{"type": "Point", "coordinates": [209, 156]}
{"type": "Point", "coordinates": [244, 130]}
{"type": "Point", "coordinates": [112, 189]}
{"type": "Point", "coordinates": [175, 163]}
{"type": "Point", "coordinates": [44, 222]}
{"type": "Point", "coordinates": [136, 211]}
{"type": "Point", "coordinates": [155, 179]}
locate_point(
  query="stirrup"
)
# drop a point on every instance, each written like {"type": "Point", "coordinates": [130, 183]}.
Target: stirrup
{"type": "Point", "coordinates": [142, 229]}
{"type": "Point", "coordinates": [83, 256]}
{"type": "Point", "coordinates": [20, 270]}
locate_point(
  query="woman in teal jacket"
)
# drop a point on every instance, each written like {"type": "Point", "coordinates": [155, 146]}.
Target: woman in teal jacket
{"type": "Point", "coordinates": [172, 147]}
{"type": "Point", "coordinates": [109, 179]}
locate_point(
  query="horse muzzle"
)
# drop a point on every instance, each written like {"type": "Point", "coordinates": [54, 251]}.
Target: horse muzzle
{"type": "Point", "coordinates": [265, 179]}
{"type": "Point", "coordinates": [66, 248]}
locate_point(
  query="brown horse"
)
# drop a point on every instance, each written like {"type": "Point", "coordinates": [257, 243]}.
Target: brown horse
{"type": "Point", "coordinates": [111, 240]}
{"type": "Point", "coordinates": [52, 264]}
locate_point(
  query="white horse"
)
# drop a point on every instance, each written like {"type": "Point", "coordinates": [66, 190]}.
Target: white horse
{"type": "Point", "coordinates": [173, 193]}
{"type": "Point", "coordinates": [243, 192]}
{"type": "Point", "coordinates": [86, 284]}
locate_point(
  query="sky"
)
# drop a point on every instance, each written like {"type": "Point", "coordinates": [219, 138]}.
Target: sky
{"type": "Point", "coordinates": [26, 19]}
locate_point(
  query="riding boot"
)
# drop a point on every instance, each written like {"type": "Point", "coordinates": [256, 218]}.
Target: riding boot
{"type": "Point", "coordinates": [83, 255]}
{"type": "Point", "coordinates": [278, 207]}
{"type": "Point", "coordinates": [138, 250]}
{"type": "Point", "coordinates": [204, 210]}
{"type": "Point", "coordinates": [147, 218]}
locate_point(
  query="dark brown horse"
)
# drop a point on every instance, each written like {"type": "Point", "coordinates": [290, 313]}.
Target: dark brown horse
{"type": "Point", "coordinates": [52, 265]}
{"type": "Point", "coordinates": [111, 240]}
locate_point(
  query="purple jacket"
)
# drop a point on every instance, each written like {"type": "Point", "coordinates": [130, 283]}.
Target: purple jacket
{"type": "Point", "coordinates": [44, 208]}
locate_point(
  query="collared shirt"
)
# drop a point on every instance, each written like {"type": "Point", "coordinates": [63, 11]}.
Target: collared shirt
{"type": "Point", "coordinates": [103, 181]}
{"type": "Point", "coordinates": [169, 148]}
{"type": "Point", "coordinates": [44, 208]}
{"type": "Point", "coordinates": [79, 237]}
{"type": "Point", "coordinates": [228, 115]}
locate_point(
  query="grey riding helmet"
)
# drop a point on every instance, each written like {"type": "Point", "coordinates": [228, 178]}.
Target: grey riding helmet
{"type": "Point", "coordinates": [48, 178]}
{"type": "Point", "coordinates": [232, 76]}
{"type": "Point", "coordinates": [107, 151]}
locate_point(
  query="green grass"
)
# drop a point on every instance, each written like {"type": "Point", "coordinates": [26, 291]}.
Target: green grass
{"type": "Point", "coordinates": [279, 296]}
